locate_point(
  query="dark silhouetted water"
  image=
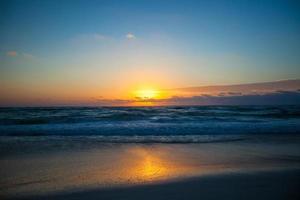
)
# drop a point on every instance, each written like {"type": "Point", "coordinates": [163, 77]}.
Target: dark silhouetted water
{"type": "Point", "coordinates": [148, 124]}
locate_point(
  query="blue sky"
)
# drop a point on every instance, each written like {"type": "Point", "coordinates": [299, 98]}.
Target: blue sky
{"type": "Point", "coordinates": [97, 45]}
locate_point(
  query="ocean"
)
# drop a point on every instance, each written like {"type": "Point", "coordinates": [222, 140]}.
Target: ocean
{"type": "Point", "coordinates": [142, 124]}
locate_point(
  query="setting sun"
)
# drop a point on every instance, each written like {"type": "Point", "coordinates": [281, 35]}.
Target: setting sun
{"type": "Point", "coordinates": [147, 94]}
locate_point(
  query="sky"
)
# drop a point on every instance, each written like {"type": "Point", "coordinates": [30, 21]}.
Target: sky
{"type": "Point", "coordinates": [77, 52]}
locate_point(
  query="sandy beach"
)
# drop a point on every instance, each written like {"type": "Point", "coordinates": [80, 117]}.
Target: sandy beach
{"type": "Point", "coordinates": [265, 167]}
{"type": "Point", "coordinates": [259, 185]}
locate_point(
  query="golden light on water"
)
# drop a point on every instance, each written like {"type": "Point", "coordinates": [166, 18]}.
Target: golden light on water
{"type": "Point", "coordinates": [151, 168]}
{"type": "Point", "coordinates": [112, 166]}
{"type": "Point", "coordinates": [147, 166]}
{"type": "Point", "coordinates": [144, 164]}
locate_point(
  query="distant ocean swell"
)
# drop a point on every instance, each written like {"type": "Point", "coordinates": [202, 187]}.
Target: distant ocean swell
{"type": "Point", "coordinates": [150, 121]}
{"type": "Point", "coordinates": [125, 139]}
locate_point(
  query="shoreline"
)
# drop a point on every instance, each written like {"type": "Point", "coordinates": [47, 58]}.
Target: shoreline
{"type": "Point", "coordinates": [79, 170]}
{"type": "Point", "coordinates": [277, 184]}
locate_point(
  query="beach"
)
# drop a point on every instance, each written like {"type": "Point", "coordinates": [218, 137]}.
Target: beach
{"type": "Point", "coordinates": [260, 167]}
{"type": "Point", "coordinates": [263, 185]}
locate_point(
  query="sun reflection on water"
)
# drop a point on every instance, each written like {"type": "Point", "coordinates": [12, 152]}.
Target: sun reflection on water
{"type": "Point", "coordinates": [141, 164]}
{"type": "Point", "coordinates": [118, 166]}
{"type": "Point", "coordinates": [147, 166]}
{"type": "Point", "coordinates": [151, 168]}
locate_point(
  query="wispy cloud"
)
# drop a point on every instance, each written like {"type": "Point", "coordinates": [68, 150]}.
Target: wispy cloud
{"type": "Point", "coordinates": [28, 56]}
{"type": "Point", "coordinates": [130, 36]}
{"type": "Point", "coordinates": [21, 55]}
{"type": "Point", "coordinates": [97, 36]}
{"type": "Point", "coordinates": [251, 88]}
{"type": "Point", "coordinates": [267, 93]}
{"type": "Point", "coordinates": [273, 98]}
{"type": "Point", "coordinates": [12, 53]}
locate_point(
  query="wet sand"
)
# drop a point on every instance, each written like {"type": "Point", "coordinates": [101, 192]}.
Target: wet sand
{"type": "Point", "coordinates": [252, 168]}
{"type": "Point", "coordinates": [260, 185]}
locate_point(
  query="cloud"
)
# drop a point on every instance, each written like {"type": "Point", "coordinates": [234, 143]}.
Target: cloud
{"type": "Point", "coordinates": [28, 56]}
{"type": "Point", "coordinates": [12, 53]}
{"type": "Point", "coordinates": [99, 36]}
{"type": "Point", "coordinates": [130, 36]}
{"type": "Point", "coordinates": [251, 88]}
{"type": "Point", "coordinates": [273, 98]}
{"type": "Point", "coordinates": [112, 102]}
{"type": "Point", "coordinates": [21, 55]}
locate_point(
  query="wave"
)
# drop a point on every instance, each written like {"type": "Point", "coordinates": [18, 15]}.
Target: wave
{"type": "Point", "coordinates": [126, 139]}
{"type": "Point", "coordinates": [180, 120]}
{"type": "Point", "coordinates": [10, 116]}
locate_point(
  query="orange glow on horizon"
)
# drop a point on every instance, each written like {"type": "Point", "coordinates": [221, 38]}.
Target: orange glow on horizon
{"type": "Point", "coordinates": [147, 94]}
